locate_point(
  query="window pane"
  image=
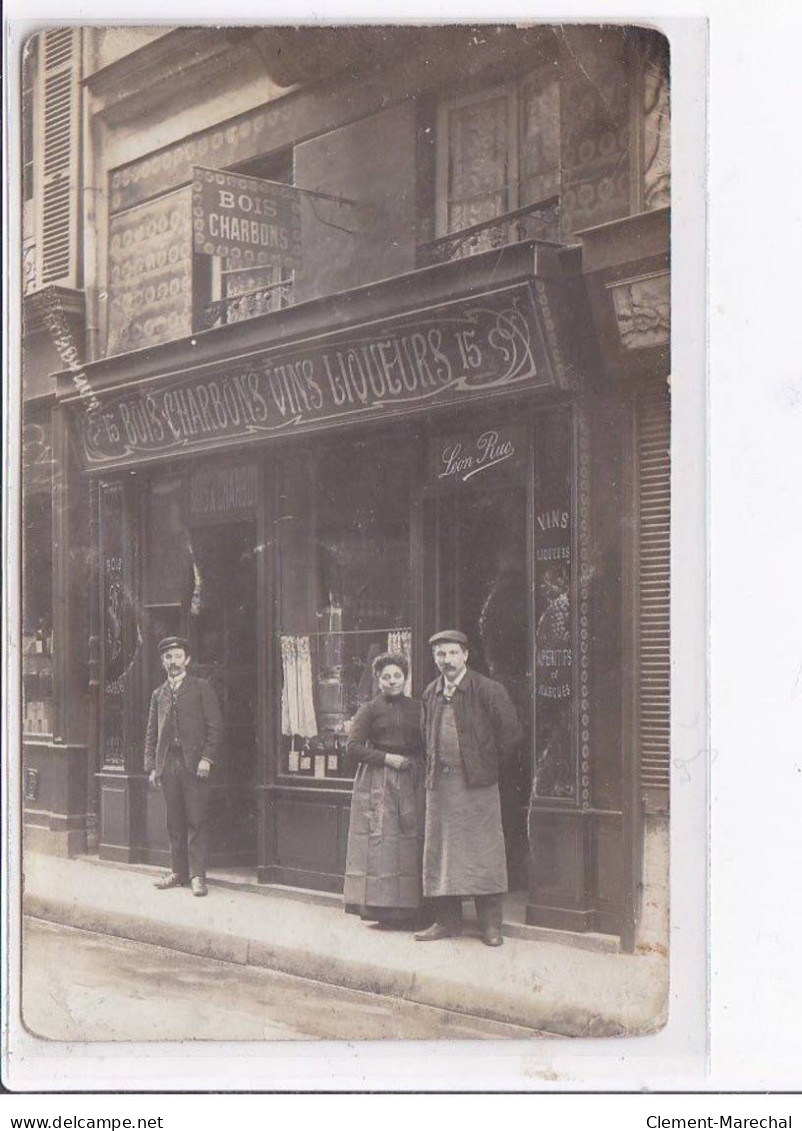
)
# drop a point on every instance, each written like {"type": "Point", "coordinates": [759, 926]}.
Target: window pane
{"type": "Point", "coordinates": [539, 152]}
{"type": "Point", "coordinates": [37, 577]}
{"type": "Point", "coordinates": [656, 126]}
{"type": "Point", "coordinates": [555, 753]}
{"type": "Point", "coordinates": [165, 577]}
{"type": "Point", "coordinates": [478, 160]}
{"type": "Point", "coordinates": [345, 592]}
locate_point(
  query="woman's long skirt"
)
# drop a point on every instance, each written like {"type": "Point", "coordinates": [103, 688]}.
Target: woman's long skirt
{"type": "Point", "coordinates": [385, 839]}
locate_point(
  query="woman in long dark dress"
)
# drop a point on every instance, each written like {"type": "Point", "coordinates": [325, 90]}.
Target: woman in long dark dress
{"type": "Point", "coordinates": [385, 837]}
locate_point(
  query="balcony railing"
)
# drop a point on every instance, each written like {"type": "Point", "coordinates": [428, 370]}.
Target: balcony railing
{"type": "Point", "coordinates": [539, 220]}
{"type": "Point", "coordinates": [247, 293]}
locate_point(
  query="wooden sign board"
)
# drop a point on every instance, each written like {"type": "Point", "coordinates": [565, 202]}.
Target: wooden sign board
{"type": "Point", "coordinates": [456, 352]}
{"type": "Point", "coordinates": [245, 220]}
{"type": "Point", "coordinates": [150, 273]}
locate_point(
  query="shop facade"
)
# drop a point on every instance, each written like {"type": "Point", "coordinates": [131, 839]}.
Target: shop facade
{"type": "Point", "coordinates": [444, 417]}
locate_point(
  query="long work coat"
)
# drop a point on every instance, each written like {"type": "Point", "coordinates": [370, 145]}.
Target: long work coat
{"type": "Point", "coordinates": [385, 837]}
{"type": "Point", "coordinates": [464, 850]}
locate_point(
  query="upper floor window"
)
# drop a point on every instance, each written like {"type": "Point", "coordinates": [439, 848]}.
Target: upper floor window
{"type": "Point", "coordinates": [498, 165]}
{"type": "Point", "coordinates": [238, 292]}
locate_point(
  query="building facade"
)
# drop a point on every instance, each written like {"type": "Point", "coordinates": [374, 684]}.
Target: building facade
{"type": "Point", "coordinates": [334, 337]}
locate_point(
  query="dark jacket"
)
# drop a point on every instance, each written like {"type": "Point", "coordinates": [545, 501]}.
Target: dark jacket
{"type": "Point", "coordinates": [487, 726]}
{"type": "Point", "coordinates": [200, 724]}
{"type": "Point", "coordinates": [386, 726]}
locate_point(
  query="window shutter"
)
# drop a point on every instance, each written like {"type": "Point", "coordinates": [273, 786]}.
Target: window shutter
{"type": "Point", "coordinates": [58, 151]}
{"type": "Point", "coordinates": [654, 562]}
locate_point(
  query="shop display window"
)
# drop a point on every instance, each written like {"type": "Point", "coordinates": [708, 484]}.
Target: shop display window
{"type": "Point", "coordinates": [344, 593]}
{"type": "Point", "coordinates": [37, 583]}
{"type": "Point", "coordinates": [555, 755]}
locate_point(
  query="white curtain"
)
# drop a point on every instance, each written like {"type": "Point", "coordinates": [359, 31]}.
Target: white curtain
{"type": "Point", "coordinates": [400, 641]}
{"type": "Point", "coordinates": [297, 695]}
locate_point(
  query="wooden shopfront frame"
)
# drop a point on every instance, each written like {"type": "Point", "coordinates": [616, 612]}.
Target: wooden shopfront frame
{"type": "Point", "coordinates": [577, 901]}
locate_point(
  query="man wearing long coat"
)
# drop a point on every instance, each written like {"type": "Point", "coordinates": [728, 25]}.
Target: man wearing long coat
{"type": "Point", "coordinates": [470, 726]}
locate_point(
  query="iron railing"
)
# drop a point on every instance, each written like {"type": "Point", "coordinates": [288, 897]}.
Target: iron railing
{"type": "Point", "coordinates": [248, 304]}
{"type": "Point", "coordinates": [539, 220]}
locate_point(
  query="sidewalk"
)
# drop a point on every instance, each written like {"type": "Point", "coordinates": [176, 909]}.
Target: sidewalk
{"type": "Point", "coordinates": [550, 986]}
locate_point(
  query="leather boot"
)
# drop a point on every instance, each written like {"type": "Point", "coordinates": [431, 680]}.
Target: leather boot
{"type": "Point", "coordinates": [489, 914]}
{"type": "Point", "coordinates": [448, 921]}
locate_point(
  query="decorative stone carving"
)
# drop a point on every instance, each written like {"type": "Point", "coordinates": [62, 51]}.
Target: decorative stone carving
{"type": "Point", "coordinates": [643, 310]}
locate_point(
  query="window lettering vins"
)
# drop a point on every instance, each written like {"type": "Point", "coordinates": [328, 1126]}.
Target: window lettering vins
{"type": "Point", "coordinates": [553, 653]}
{"type": "Point", "coordinates": [445, 355]}
{"type": "Point", "coordinates": [553, 520]}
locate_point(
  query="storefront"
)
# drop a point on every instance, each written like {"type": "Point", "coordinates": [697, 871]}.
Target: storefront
{"type": "Point", "coordinates": [299, 492]}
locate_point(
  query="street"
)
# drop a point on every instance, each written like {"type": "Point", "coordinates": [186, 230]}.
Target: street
{"type": "Point", "coordinates": [78, 985]}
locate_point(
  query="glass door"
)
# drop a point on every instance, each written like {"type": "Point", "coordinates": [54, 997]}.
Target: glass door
{"type": "Point", "coordinates": [222, 625]}
{"type": "Point", "coordinates": [475, 542]}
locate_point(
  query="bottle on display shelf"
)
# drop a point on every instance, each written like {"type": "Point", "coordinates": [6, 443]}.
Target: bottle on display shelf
{"type": "Point", "coordinates": [43, 638]}
{"type": "Point", "coordinates": [305, 758]}
{"type": "Point", "coordinates": [293, 759]}
{"type": "Point", "coordinates": [46, 687]}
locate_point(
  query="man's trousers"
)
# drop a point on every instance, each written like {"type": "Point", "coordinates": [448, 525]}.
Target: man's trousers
{"type": "Point", "coordinates": [186, 799]}
{"type": "Point", "coordinates": [489, 910]}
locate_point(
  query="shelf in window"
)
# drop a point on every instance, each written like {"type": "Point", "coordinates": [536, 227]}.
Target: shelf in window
{"type": "Point", "coordinates": [355, 631]}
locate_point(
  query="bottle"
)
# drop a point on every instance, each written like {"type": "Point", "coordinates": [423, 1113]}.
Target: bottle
{"type": "Point", "coordinates": [306, 759]}
{"type": "Point", "coordinates": [333, 756]}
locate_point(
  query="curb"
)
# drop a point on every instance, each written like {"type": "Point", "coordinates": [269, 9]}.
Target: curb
{"type": "Point", "coordinates": [422, 988]}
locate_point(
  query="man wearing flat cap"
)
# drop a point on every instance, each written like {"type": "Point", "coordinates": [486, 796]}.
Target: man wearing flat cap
{"type": "Point", "coordinates": [182, 749]}
{"type": "Point", "coordinates": [470, 727]}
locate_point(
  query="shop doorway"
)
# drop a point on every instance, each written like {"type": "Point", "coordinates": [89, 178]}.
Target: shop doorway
{"type": "Point", "coordinates": [222, 628]}
{"type": "Point", "coordinates": [477, 580]}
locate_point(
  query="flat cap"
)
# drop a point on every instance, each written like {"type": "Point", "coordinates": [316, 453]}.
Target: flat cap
{"type": "Point", "coordinates": [449, 636]}
{"type": "Point", "coordinates": [174, 642]}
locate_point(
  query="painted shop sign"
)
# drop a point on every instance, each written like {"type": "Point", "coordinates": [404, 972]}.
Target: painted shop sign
{"type": "Point", "coordinates": [455, 352]}
{"type": "Point", "coordinates": [150, 273]}
{"type": "Point", "coordinates": [555, 661]}
{"type": "Point", "coordinates": [248, 221]}
{"type": "Point", "coordinates": [217, 491]}
{"type": "Point", "coordinates": [482, 455]}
